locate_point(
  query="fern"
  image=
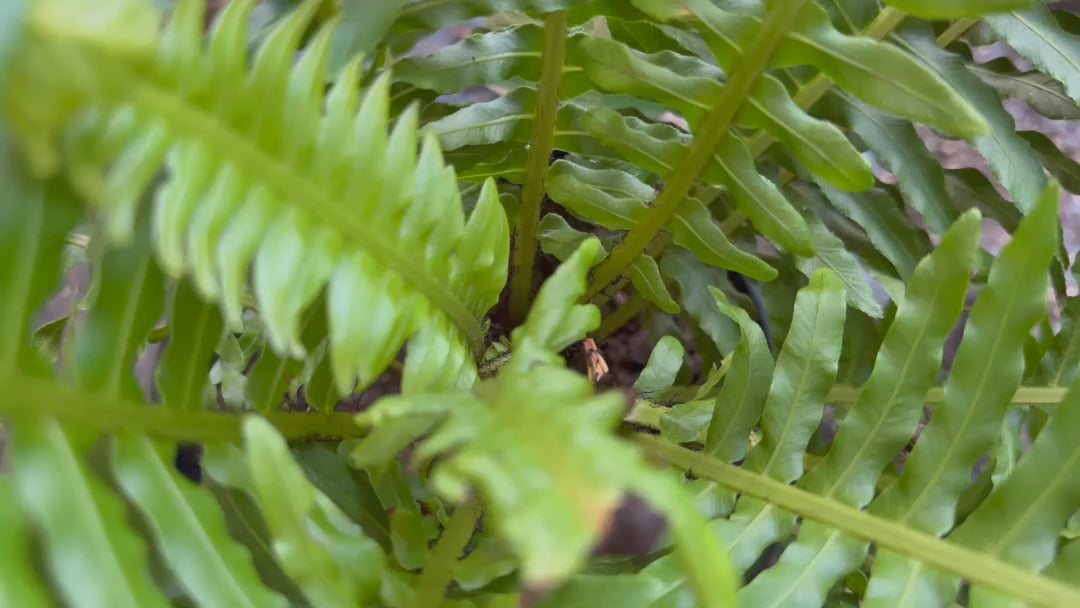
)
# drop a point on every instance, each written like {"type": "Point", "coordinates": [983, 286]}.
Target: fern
{"type": "Point", "coordinates": [882, 420]}
{"type": "Point", "coordinates": [284, 205]}
{"type": "Point", "coordinates": [494, 436]}
{"type": "Point", "coordinates": [275, 187]}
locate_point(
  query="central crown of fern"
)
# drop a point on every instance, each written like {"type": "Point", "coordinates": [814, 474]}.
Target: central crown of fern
{"type": "Point", "coordinates": [268, 176]}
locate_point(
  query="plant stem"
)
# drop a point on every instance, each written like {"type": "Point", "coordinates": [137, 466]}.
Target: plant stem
{"type": "Point", "coordinates": [443, 559]}
{"type": "Point", "coordinates": [1025, 395]}
{"type": "Point", "coordinates": [715, 127]}
{"type": "Point", "coordinates": [24, 396]}
{"type": "Point", "coordinates": [956, 29]}
{"type": "Point", "coordinates": [536, 165]}
{"type": "Point", "coordinates": [648, 414]}
{"type": "Point", "coordinates": [654, 249]}
{"type": "Point", "coordinates": [620, 316]}
{"type": "Point", "coordinates": [883, 25]}
{"type": "Point", "coordinates": [977, 568]}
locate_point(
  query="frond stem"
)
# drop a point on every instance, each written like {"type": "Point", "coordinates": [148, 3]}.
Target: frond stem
{"type": "Point", "coordinates": [976, 567]}
{"type": "Point", "coordinates": [291, 185]}
{"type": "Point", "coordinates": [751, 64]}
{"type": "Point", "coordinates": [536, 165]}
{"type": "Point", "coordinates": [443, 559]}
{"type": "Point", "coordinates": [23, 396]}
{"type": "Point", "coordinates": [648, 414]}
{"type": "Point", "coordinates": [653, 249]}
{"type": "Point", "coordinates": [955, 30]}
{"type": "Point", "coordinates": [845, 395]}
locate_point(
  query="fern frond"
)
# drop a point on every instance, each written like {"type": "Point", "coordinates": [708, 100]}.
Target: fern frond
{"type": "Point", "coordinates": [940, 554]}
{"type": "Point", "coordinates": [1021, 522]}
{"type": "Point", "coordinates": [884, 418]}
{"type": "Point", "coordinates": [52, 477]}
{"type": "Point", "coordinates": [737, 406]}
{"type": "Point", "coordinates": [987, 370]}
{"type": "Point", "coordinates": [660, 67]}
{"type": "Point", "coordinates": [214, 166]}
{"type": "Point", "coordinates": [535, 443]}
{"type": "Point", "coordinates": [967, 418]}
{"type": "Point", "coordinates": [1038, 37]}
{"type": "Point", "coordinates": [221, 570]}
{"type": "Point", "coordinates": [82, 460]}
{"type": "Point", "coordinates": [805, 369]}
{"type": "Point", "coordinates": [1009, 157]}
{"type": "Point", "coordinates": [305, 191]}
{"type": "Point", "coordinates": [51, 462]}
{"type": "Point", "coordinates": [317, 545]}
{"type": "Point", "coordinates": [1043, 93]}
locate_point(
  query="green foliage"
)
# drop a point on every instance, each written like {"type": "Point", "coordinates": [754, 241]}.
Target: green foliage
{"type": "Point", "coordinates": [297, 230]}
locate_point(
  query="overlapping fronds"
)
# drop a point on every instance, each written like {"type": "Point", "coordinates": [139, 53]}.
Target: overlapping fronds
{"type": "Point", "coordinates": [80, 454]}
{"type": "Point", "coordinates": [93, 555]}
{"type": "Point", "coordinates": [633, 64]}
{"type": "Point", "coordinates": [536, 444]}
{"type": "Point", "coordinates": [268, 176]}
{"type": "Point", "coordinates": [265, 179]}
{"type": "Point", "coordinates": [997, 544]}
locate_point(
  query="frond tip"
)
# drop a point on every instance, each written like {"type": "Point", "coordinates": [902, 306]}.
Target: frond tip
{"type": "Point", "coordinates": [270, 177]}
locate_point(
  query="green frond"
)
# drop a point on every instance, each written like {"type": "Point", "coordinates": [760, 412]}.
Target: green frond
{"type": "Point", "coordinates": [664, 363]}
{"type": "Point", "coordinates": [195, 330]}
{"type": "Point", "coordinates": [693, 279]}
{"type": "Point", "coordinates": [646, 278]}
{"type": "Point", "coordinates": [266, 174]}
{"type": "Point", "coordinates": [831, 253]}
{"type": "Point", "coordinates": [805, 369]}
{"type": "Point", "coordinates": [295, 203]}
{"type": "Point", "coordinates": [555, 320]}
{"type": "Point", "coordinates": [738, 404]}
{"type": "Point", "coordinates": [75, 508]}
{"type": "Point", "coordinates": [318, 546]}
{"type": "Point", "coordinates": [881, 422]}
{"type": "Point", "coordinates": [90, 487]}
{"type": "Point", "coordinates": [216, 570]}
{"type": "Point", "coordinates": [1012, 533]}
{"type": "Point", "coordinates": [683, 67]}
{"type": "Point", "coordinates": [897, 144]}
{"type": "Point", "coordinates": [987, 370]}
{"type": "Point", "coordinates": [524, 421]}
{"type": "Point", "coordinates": [1021, 522]}
{"type": "Point", "coordinates": [1009, 156]}
{"type": "Point", "coordinates": [1038, 37]}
